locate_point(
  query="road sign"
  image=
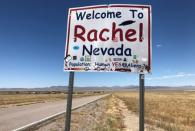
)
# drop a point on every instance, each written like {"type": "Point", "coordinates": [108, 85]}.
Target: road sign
{"type": "Point", "coordinates": [109, 38]}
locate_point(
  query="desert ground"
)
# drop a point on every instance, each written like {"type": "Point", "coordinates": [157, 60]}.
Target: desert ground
{"type": "Point", "coordinates": [164, 111]}
{"type": "Point", "coordinates": [168, 110]}
{"type": "Point", "coordinates": [17, 98]}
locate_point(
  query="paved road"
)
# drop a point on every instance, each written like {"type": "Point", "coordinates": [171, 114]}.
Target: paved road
{"type": "Point", "coordinates": [18, 116]}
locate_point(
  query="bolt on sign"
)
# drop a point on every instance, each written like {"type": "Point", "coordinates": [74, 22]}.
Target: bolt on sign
{"type": "Point", "coordinates": [106, 38]}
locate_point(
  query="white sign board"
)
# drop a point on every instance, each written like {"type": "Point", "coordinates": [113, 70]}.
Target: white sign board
{"type": "Point", "coordinates": [109, 38]}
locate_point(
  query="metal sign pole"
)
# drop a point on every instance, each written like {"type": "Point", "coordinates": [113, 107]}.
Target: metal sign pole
{"type": "Point", "coordinates": [69, 101]}
{"type": "Point", "coordinates": [141, 102]}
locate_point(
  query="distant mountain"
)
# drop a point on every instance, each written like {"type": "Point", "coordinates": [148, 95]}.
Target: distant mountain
{"type": "Point", "coordinates": [93, 88]}
{"type": "Point", "coordinates": [52, 88]}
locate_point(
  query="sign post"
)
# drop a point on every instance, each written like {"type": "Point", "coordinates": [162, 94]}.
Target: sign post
{"type": "Point", "coordinates": [69, 101]}
{"type": "Point", "coordinates": [109, 38]}
{"type": "Point", "coordinates": [141, 102]}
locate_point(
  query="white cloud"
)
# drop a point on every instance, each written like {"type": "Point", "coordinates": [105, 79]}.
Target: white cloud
{"type": "Point", "coordinates": [178, 75]}
{"type": "Point", "coordinates": [158, 45]}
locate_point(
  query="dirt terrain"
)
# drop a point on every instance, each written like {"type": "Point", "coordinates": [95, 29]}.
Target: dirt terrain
{"type": "Point", "coordinates": [168, 110]}
{"type": "Point", "coordinates": [10, 99]}
{"type": "Point", "coordinates": [108, 114]}
{"type": "Point", "coordinates": [164, 111]}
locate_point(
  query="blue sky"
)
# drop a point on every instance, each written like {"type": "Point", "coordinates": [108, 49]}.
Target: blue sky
{"type": "Point", "coordinates": [32, 42]}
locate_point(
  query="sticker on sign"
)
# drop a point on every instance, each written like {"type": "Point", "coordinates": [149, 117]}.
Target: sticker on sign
{"type": "Point", "coordinates": [109, 38]}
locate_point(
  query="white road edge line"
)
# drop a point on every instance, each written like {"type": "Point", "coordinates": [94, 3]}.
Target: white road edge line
{"type": "Point", "coordinates": [52, 116]}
